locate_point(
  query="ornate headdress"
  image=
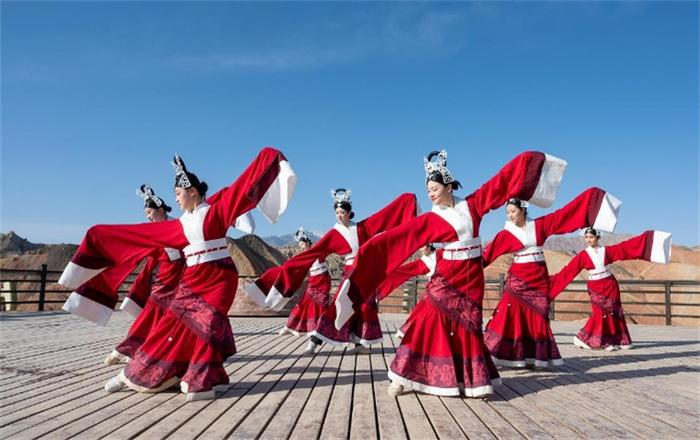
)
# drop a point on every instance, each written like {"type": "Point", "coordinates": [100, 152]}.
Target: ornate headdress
{"type": "Point", "coordinates": [522, 204]}
{"type": "Point", "coordinates": [150, 199]}
{"type": "Point", "coordinates": [300, 236]}
{"type": "Point", "coordinates": [341, 195]}
{"type": "Point", "coordinates": [439, 165]}
{"type": "Point", "coordinates": [182, 176]}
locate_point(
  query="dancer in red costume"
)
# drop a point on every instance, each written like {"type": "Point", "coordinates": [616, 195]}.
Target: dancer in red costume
{"type": "Point", "coordinates": [277, 285]}
{"type": "Point", "coordinates": [519, 333]}
{"type": "Point", "coordinates": [443, 351]}
{"type": "Point", "coordinates": [314, 301]}
{"type": "Point", "coordinates": [191, 341]}
{"type": "Point", "coordinates": [606, 328]}
{"type": "Point", "coordinates": [148, 298]}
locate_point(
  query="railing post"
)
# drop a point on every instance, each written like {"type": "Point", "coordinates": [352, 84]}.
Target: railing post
{"type": "Point", "coordinates": [667, 301]}
{"type": "Point", "coordinates": [501, 283]}
{"type": "Point", "coordinates": [415, 293]}
{"type": "Point", "coordinates": [42, 288]}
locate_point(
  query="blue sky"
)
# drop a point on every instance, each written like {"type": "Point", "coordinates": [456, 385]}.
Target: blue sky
{"type": "Point", "coordinates": [97, 96]}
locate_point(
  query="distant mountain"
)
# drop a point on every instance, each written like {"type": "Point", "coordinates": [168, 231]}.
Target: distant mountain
{"type": "Point", "coordinates": [13, 244]}
{"type": "Point", "coordinates": [280, 241]}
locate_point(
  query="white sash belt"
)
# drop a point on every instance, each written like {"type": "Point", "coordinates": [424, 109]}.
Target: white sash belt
{"type": "Point", "coordinates": [529, 257]}
{"type": "Point", "coordinates": [599, 274]}
{"type": "Point", "coordinates": [205, 251]}
{"type": "Point", "coordinates": [462, 253]}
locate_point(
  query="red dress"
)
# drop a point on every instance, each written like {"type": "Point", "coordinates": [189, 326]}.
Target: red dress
{"type": "Point", "coordinates": [151, 297]}
{"type": "Point", "coordinates": [277, 285]}
{"type": "Point", "coordinates": [519, 332]}
{"type": "Point", "coordinates": [193, 338]}
{"type": "Point", "coordinates": [607, 327]}
{"type": "Point", "coordinates": [442, 351]}
{"type": "Point", "coordinates": [313, 303]}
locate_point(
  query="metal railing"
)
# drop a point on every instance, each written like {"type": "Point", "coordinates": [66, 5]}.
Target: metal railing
{"type": "Point", "coordinates": [666, 295]}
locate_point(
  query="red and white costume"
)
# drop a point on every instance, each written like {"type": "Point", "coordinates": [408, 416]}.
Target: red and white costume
{"type": "Point", "coordinates": [442, 351]}
{"type": "Point", "coordinates": [519, 332]}
{"type": "Point", "coordinates": [606, 327]}
{"type": "Point", "coordinates": [281, 282]}
{"type": "Point", "coordinates": [313, 302]}
{"type": "Point", "coordinates": [194, 337]}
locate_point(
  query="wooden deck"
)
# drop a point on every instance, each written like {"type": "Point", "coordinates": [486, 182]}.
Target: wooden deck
{"type": "Point", "coordinates": [51, 380]}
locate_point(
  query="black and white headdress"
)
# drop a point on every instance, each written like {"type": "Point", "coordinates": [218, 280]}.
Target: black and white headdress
{"type": "Point", "coordinates": [341, 195]}
{"type": "Point", "coordinates": [182, 176]}
{"type": "Point", "coordinates": [300, 236]}
{"type": "Point", "coordinates": [150, 199]}
{"type": "Point", "coordinates": [438, 166]}
{"type": "Point", "coordinates": [591, 230]}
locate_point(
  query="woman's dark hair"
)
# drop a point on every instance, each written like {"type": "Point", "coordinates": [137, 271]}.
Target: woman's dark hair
{"type": "Point", "coordinates": [307, 240]}
{"type": "Point", "coordinates": [592, 231]}
{"type": "Point", "coordinates": [437, 177]}
{"type": "Point", "coordinates": [152, 204]}
{"type": "Point", "coordinates": [518, 204]}
{"type": "Point", "coordinates": [345, 206]}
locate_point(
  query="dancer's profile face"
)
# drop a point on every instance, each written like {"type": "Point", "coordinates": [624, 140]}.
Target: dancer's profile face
{"type": "Point", "coordinates": [303, 246]}
{"type": "Point", "coordinates": [426, 250]}
{"type": "Point", "coordinates": [515, 215]}
{"type": "Point", "coordinates": [591, 240]}
{"type": "Point", "coordinates": [440, 194]}
{"type": "Point", "coordinates": [186, 198]}
{"type": "Point", "coordinates": [155, 215]}
{"type": "Point", "coordinates": [342, 216]}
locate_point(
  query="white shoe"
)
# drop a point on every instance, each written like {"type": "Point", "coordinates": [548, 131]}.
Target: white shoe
{"type": "Point", "coordinates": [283, 331]}
{"type": "Point", "coordinates": [115, 358]}
{"type": "Point", "coordinates": [580, 344]}
{"type": "Point", "coordinates": [612, 348]}
{"type": "Point", "coordinates": [626, 347]}
{"type": "Point", "coordinates": [395, 389]}
{"type": "Point", "coordinates": [114, 384]}
{"type": "Point", "coordinates": [202, 395]}
{"type": "Point", "coordinates": [310, 348]}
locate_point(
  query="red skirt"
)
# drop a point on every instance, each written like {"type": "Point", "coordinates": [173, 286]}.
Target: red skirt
{"type": "Point", "coordinates": [313, 303]}
{"type": "Point", "coordinates": [519, 333]}
{"type": "Point", "coordinates": [442, 351]}
{"type": "Point", "coordinates": [606, 327]}
{"type": "Point", "coordinates": [146, 321]}
{"type": "Point", "coordinates": [193, 338]}
{"type": "Point", "coordinates": [362, 328]}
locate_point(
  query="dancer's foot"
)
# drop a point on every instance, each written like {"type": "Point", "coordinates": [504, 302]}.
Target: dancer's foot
{"type": "Point", "coordinates": [114, 384]}
{"type": "Point", "coordinates": [283, 331]}
{"type": "Point", "coordinates": [115, 358]}
{"type": "Point", "coordinates": [580, 344]}
{"type": "Point", "coordinates": [395, 389]}
{"type": "Point", "coordinates": [311, 347]}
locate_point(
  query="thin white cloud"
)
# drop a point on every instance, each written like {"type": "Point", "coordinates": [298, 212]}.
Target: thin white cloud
{"type": "Point", "coordinates": [404, 32]}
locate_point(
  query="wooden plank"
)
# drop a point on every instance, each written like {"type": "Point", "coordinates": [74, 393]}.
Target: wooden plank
{"type": "Point", "coordinates": [267, 407]}
{"type": "Point", "coordinates": [363, 423]}
{"type": "Point", "coordinates": [440, 418]}
{"type": "Point", "coordinates": [187, 420]}
{"type": "Point", "coordinates": [95, 425]}
{"type": "Point", "coordinates": [309, 423]}
{"type": "Point", "coordinates": [294, 406]}
{"type": "Point", "coordinates": [467, 419]}
{"type": "Point", "coordinates": [336, 423]}
{"type": "Point", "coordinates": [389, 421]}
{"type": "Point", "coordinates": [499, 426]}
{"type": "Point", "coordinates": [248, 395]}
{"type": "Point", "coordinates": [415, 420]}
